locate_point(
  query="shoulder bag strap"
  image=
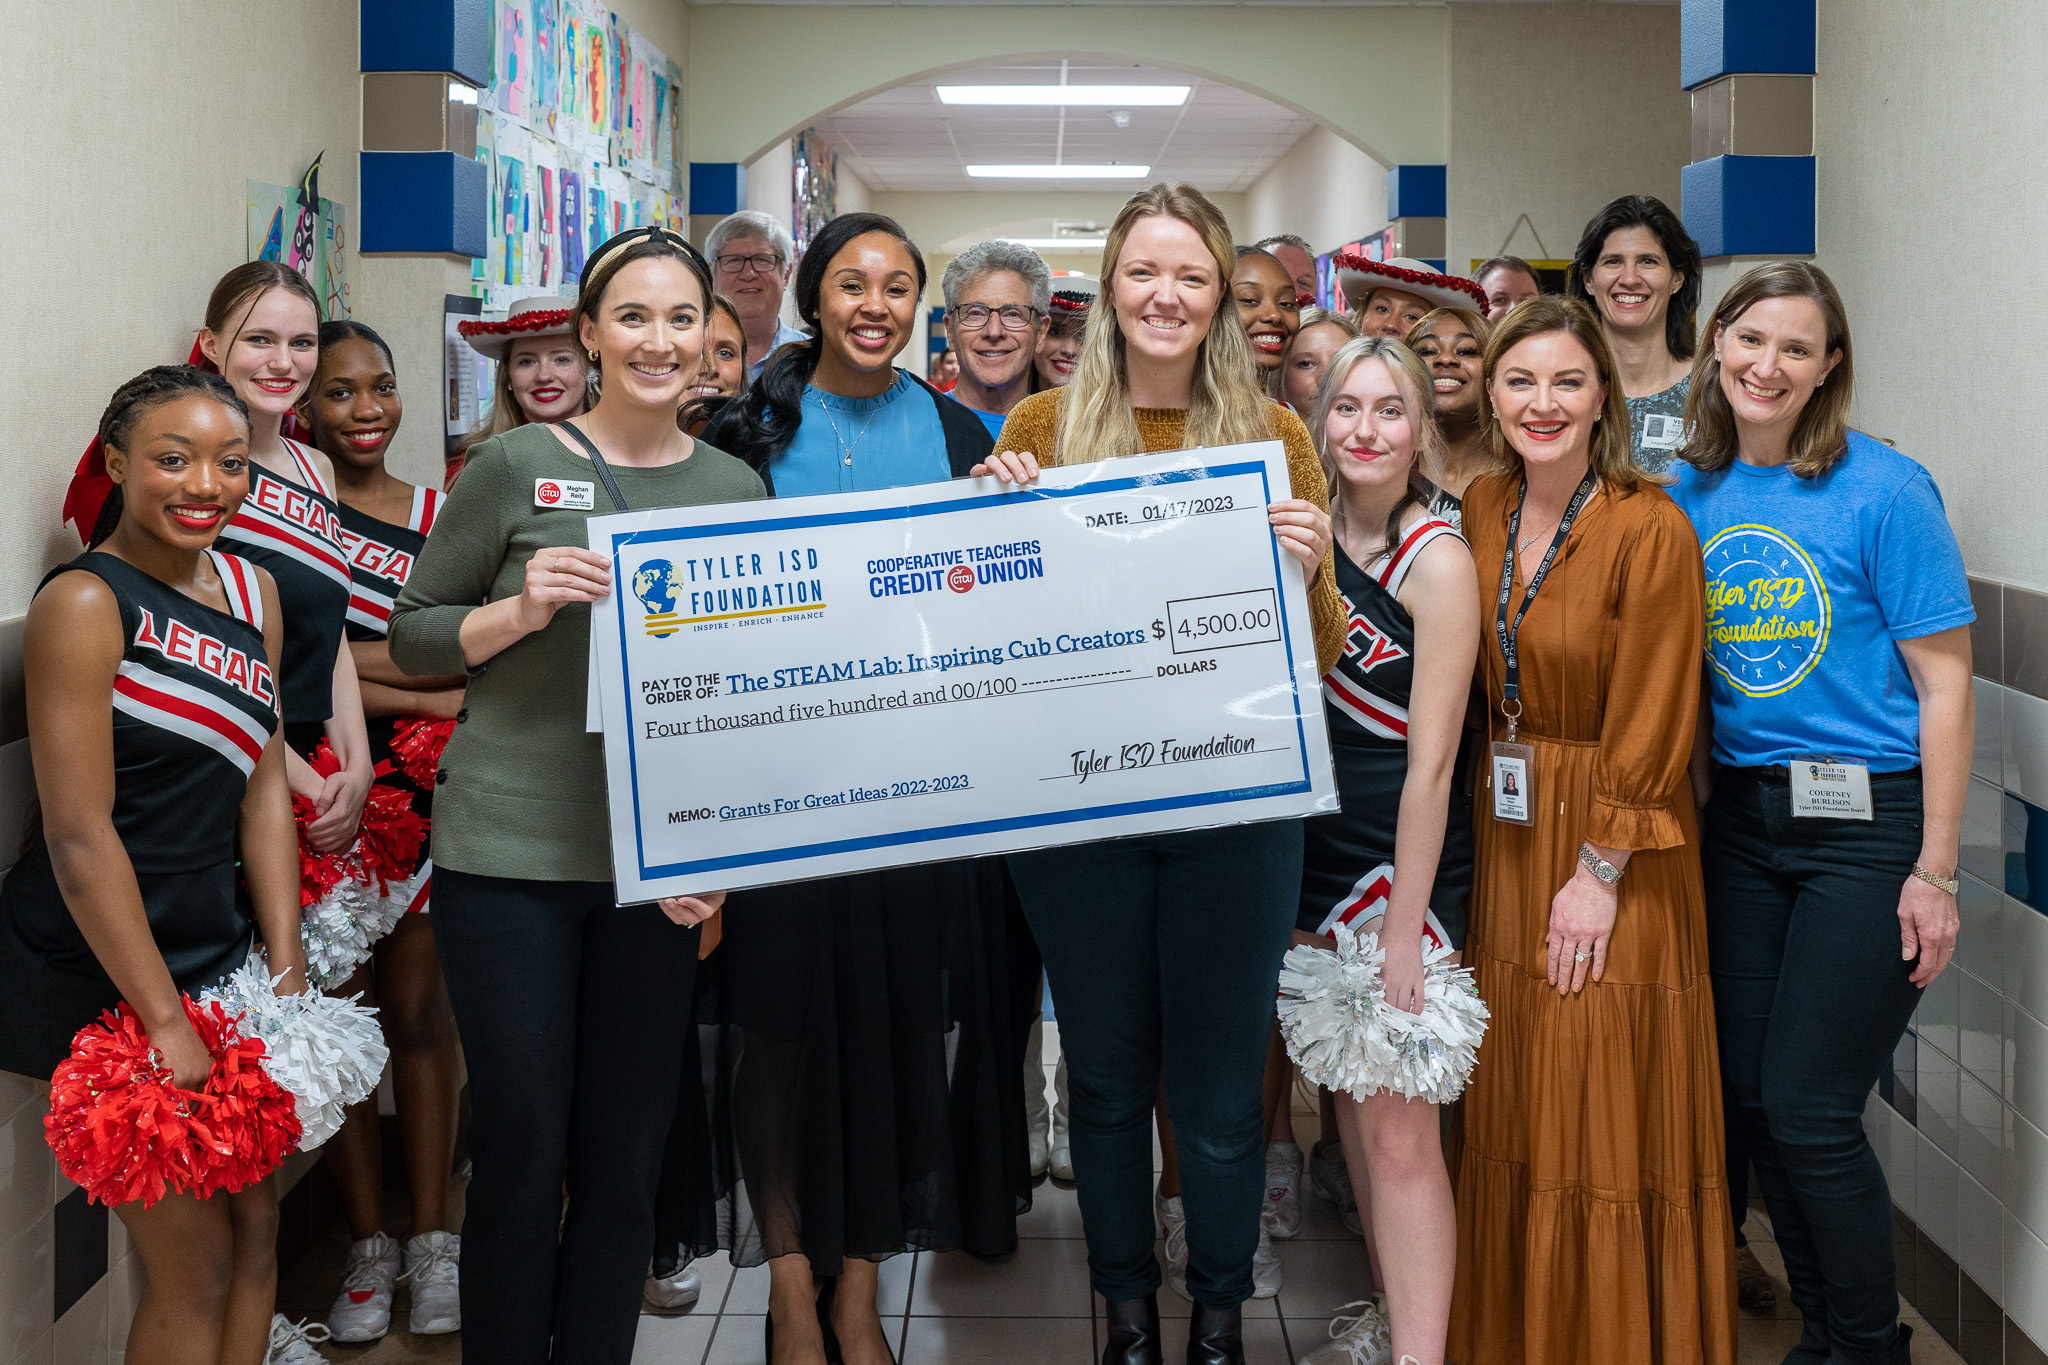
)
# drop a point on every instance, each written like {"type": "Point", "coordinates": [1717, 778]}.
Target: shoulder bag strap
{"type": "Point", "coordinates": [604, 471]}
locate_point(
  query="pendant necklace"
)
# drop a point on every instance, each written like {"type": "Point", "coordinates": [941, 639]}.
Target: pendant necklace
{"type": "Point", "coordinates": [845, 450]}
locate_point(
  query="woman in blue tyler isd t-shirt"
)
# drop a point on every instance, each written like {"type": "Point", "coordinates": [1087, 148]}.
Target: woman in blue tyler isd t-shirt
{"type": "Point", "coordinates": [1838, 658]}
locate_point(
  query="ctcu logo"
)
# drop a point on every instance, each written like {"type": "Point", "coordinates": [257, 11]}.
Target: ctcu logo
{"type": "Point", "coordinates": [960, 578]}
{"type": "Point", "coordinates": [548, 492]}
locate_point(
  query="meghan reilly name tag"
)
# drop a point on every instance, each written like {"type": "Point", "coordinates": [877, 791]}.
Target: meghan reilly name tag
{"type": "Point", "coordinates": [817, 685]}
{"type": "Point", "coordinates": [571, 495]}
{"type": "Point", "coordinates": [1830, 791]}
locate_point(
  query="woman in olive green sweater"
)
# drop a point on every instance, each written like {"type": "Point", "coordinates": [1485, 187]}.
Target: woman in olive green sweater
{"type": "Point", "coordinates": [567, 1003]}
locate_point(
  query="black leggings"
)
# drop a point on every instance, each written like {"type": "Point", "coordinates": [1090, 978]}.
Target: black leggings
{"type": "Point", "coordinates": [574, 1015]}
{"type": "Point", "coordinates": [1810, 997]}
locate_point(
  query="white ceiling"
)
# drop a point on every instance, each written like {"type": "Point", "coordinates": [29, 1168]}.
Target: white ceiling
{"type": "Point", "coordinates": [1222, 139]}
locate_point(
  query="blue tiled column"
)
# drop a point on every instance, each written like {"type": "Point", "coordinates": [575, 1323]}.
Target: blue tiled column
{"type": "Point", "coordinates": [1749, 65]}
{"type": "Point", "coordinates": [414, 200]}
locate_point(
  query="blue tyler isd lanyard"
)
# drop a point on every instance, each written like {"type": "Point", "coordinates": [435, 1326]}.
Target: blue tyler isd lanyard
{"type": "Point", "coordinates": [1513, 781]}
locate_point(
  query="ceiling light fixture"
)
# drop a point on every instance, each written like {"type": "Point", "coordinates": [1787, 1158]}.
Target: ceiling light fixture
{"type": "Point", "coordinates": [1109, 172]}
{"type": "Point", "coordinates": [1153, 96]}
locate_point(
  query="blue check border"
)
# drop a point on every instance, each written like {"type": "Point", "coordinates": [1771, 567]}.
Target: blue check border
{"type": "Point", "coordinates": [798, 520]}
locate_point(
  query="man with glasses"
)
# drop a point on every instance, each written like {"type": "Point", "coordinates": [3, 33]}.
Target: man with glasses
{"type": "Point", "coordinates": [750, 254]}
{"type": "Point", "coordinates": [997, 296]}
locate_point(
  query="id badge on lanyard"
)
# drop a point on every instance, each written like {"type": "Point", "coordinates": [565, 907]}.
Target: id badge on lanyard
{"type": "Point", "coordinates": [1830, 791]}
{"type": "Point", "coordinates": [1512, 771]}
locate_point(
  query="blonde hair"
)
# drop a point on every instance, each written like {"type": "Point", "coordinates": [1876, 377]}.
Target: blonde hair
{"type": "Point", "coordinates": [1821, 434]}
{"type": "Point", "coordinates": [1413, 376]}
{"type": "Point", "coordinates": [505, 413]}
{"type": "Point", "coordinates": [1611, 455]}
{"type": "Point", "coordinates": [1227, 403]}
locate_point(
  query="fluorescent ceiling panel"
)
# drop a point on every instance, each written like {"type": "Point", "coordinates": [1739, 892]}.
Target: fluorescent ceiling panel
{"type": "Point", "coordinates": [1105, 95]}
{"type": "Point", "coordinates": [1060, 172]}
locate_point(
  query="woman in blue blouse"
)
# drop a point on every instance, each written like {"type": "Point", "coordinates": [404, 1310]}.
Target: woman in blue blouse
{"type": "Point", "coordinates": [876, 1106]}
{"type": "Point", "coordinates": [1840, 730]}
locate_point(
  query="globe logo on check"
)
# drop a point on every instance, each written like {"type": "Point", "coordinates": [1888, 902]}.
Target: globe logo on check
{"type": "Point", "coordinates": [656, 585]}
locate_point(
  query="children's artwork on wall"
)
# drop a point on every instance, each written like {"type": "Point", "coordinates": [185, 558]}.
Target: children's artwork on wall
{"type": "Point", "coordinates": [514, 52]}
{"type": "Point", "coordinates": [545, 88]}
{"type": "Point", "coordinates": [572, 224]}
{"type": "Point", "coordinates": [311, 240]}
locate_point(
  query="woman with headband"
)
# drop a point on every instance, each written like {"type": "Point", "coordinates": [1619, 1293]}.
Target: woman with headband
{"type": "Point", "coordinates": [552, 981]}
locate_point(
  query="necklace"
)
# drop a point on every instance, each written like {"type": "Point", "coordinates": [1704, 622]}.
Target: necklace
{"type": "Point", "coordinates": [845, 450]}
{"type": "Point", "coordinates": [1530, 539]}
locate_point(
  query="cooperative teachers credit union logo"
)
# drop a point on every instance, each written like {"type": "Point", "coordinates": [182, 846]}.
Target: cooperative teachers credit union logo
{"type": "Point", "coordinates": [1767, 610]}
{"type": "Point", "coordinates": [657, 586]}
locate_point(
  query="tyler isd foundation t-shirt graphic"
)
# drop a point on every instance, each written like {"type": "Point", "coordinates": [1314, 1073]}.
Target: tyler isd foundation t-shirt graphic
{"type": "Point", "coordinates": [1767, 610]}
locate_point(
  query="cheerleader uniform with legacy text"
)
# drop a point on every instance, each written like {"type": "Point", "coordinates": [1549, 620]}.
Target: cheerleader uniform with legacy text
{"type": "Point", "coordinates": [380, 556]}
{"type": "Point", "coordinates": [1348, 856]}
{"type": "Point", "coordinates": [194, 704]}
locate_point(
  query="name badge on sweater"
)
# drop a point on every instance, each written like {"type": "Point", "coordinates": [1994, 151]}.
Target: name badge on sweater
{"type": "Point", "coordinates": [571, 495]}
{"type": "Point", "coordinates": [1830, 791]}
{"type": "Point", "coordinates": [1663, 433]}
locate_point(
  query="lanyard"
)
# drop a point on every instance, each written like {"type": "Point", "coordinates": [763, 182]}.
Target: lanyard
{"type": "Point", "coordinates": [604, 471]}
{"type": "Point", "coordinates": [1511, 691]}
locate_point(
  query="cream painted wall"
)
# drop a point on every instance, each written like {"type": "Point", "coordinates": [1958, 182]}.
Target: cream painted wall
{"type": "Point", "coordinates": [1554, 110]}
{"type": "Point", "coordinates": [1928, 140]}
{"type": "Point", "coordinates": [763, 72]}
{"type": "Point", "coordinates": [1322, 188]}
{"type": "Point", "coordinates": [146, 130]}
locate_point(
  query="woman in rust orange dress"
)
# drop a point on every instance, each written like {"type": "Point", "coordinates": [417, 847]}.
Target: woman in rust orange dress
{"type": "Point", "coordinates": [1593, 1224]}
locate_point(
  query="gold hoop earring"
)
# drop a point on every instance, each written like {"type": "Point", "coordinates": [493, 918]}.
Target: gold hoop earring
{"type": "Point", "coordinates": [593, 357]}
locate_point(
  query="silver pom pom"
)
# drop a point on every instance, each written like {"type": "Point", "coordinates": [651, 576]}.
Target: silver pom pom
{"type": "Point", "coordinates": [1343, 1034]}
{"type": "Point", "coordinates": [327, 1051]}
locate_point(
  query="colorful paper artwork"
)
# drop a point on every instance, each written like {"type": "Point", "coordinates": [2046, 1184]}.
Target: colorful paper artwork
{"type": "Point", "coordinates": [312, 241]}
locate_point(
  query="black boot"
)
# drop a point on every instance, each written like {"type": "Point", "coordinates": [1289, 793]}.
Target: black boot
{"type": "Point", "coordinates": [1133, 1332]}
{"type": "Point", "coordinates": [1900, 1352]}
{"type": "Point", "coordinates": [1813, 1347]}
{"type": "Point", "coordinates": [1216, 1336]}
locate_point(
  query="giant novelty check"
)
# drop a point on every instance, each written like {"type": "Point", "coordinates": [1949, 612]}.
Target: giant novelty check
{"type": "Point", "coordinates": [820, 685]}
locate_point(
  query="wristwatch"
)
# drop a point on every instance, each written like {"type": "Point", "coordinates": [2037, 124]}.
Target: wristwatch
{"type": "Point", "coordinates": [1599, 866]}
{"type": "Point", "coordinates": [1950, 885]}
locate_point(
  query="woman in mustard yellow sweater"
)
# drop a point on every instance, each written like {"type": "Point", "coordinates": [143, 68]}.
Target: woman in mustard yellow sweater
{"type": "Point", "coordinates": [1164, 950]}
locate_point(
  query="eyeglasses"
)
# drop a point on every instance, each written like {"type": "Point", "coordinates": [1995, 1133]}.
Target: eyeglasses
{"type": "Point", "coordinates": [974, 316]}
{"type": "Point", "coordinates": [764, 263]}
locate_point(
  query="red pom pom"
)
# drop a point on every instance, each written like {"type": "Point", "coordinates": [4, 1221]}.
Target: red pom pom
{"type": "Point", "coordinates": [417, 745]}
{"type": "Point", "coordinates": [122, 1130]}
{"type": "Point", "coordinates": [387, 841]}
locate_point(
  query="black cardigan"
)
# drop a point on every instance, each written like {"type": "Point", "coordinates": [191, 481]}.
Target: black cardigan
{"type": "Point", "coordinates": [967, 440]}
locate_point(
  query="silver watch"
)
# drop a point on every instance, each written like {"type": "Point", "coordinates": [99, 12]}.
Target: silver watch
{"type": "Point", "coordinates": [1599, 866]}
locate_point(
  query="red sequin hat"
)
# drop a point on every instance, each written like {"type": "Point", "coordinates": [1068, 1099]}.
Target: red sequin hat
{"type": "Point", "coordinates": [1358, 277]}
{"type": "Point", "coordinates": [535, 317]}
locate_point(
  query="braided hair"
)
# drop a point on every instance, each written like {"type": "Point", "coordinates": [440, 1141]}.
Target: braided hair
{"type": "Point", "coordinates": [153, 387]}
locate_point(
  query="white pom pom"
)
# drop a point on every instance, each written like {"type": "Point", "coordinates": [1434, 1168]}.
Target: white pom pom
{"type": "Point", "coordinates": [337, 931]}
{"type": "Point", "coordinates": [327, 1051]}
{"type": "Point", "coordinates": [1344, 1035]}
{"type": "Point", "coordinates": [398, 898]}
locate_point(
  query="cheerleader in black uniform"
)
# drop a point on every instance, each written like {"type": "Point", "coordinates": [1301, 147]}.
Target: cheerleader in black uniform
{"type": "Point", "coordinates": [128, 890]}
{"type": "Point", "coordinates": [262, 334]}
{"type": "Point", "coordinates": [353, 410]}
{"type": "Point", "coordinates": [1396, 705]}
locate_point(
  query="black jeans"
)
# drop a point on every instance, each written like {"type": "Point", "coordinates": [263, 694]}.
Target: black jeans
{"type": "Point", "coordinates": [1164, 952]}
{"type": "Point", "coordinates": [574, 1015]}
{"type": "Point", "coordinates": [1810, 997]}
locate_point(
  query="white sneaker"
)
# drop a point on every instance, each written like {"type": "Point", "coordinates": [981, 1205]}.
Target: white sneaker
{"type": "Point", "coordinates": [1282, 1214]}
{"type": "Point", "coordinates": [1173, 1225]}
{"type": "Point", "coordinates": [1037, 1121]}
{"type": "Point", "coordinates": [1331, 1180]}
{"type": "Point", "coordinates": [1062, 1158]}
{"type": "Point", "coordinates": [675, 1292]}
{"type": "Point", "coordinates": [1265, 1267]}
{"type": "Point", "coordinates": [433, 1268]}
{"type": "Point", "coordinates": [291, 1343]}
{"type": "Point", "coordinates": [362, 1311]}
{"type": "Point", "coordinates": [1367, 1339]}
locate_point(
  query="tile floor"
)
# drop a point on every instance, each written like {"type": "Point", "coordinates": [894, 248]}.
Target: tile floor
{"type": "Point", "coordinates": [1033, 1308]}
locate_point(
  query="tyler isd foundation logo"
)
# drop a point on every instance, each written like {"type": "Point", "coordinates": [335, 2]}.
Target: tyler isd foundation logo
{"type": "Point", "coordinates": [656, 585]}
{"type": "Point", "coordinates": [1767, 610]}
